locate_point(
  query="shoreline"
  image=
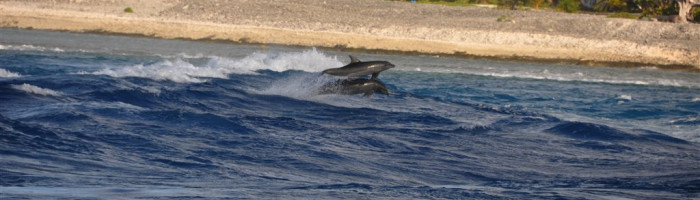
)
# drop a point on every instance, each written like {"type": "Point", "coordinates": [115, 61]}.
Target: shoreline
{"type": "Point", "coordinates": [559, 47]}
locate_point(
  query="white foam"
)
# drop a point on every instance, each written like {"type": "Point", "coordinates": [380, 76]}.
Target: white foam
{"type": "Point", "coordinates": [153, 90]}
{"type": "Point", "coordinates": [8, 74]}
{"type": "Point", "coordinates": [686, 120]}
{"type": "Point", "coordinates": [183, 69]}
{"type": "Point", "coordinates": [625, 97]}
{"type": "Point", "coordinates": [28, 47]}
{"type": "Point", "coordinates": [696, 99]}
{"type": "Point", "coordinates": [36, 90]}
{"type": "Point", "coordinates": [309, 60]}
{"type": "Point", "coordinates": [174, 70]}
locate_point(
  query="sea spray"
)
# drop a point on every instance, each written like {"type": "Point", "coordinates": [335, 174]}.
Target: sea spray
{"type": "Point", "coordinates": [189, 69]}
{"type": "Point", "coordinates": [298, 85]}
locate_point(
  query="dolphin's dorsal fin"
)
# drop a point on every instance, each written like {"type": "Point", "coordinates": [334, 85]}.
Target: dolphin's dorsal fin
{"type": "Point", "coordinates": [374, 75]}
{"type": "Point", "coordinates": [353, 59]}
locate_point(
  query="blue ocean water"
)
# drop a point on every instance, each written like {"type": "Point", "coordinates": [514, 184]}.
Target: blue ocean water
{"type": "Point", "coordinates": [116, 117]}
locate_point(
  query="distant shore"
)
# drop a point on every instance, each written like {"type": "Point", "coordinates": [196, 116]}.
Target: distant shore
{"type": "Point", "coordinates": [534, 36]}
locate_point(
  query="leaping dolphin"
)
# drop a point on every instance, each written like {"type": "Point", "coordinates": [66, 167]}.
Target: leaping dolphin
{"type": "Point", "coordinates": [354, 86]}
{"type": "Point", "coordinates": [359, 68]}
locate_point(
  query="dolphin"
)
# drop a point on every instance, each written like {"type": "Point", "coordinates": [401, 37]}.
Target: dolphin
{"type": "Point", "coordinates": [354, 86]}
{"type": "Point", "coordinates": [359, 68]}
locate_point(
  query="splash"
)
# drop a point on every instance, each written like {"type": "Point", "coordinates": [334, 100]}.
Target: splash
{"type": "Point", "coordinates": [192, 69]}
{"type": "Point", "coordinates": [309, 61]}
{"type": "Point", "coordinates": [176, 70]}
{"type": "Point", "coordinates": [301, 86]}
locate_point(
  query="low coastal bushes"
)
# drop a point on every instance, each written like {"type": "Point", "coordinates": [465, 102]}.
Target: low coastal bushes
{"type": "Point", "coordinates": [625, 15]}
{"type": "Point", "coordinates": [618, 8]}
{"type": "Point", "coordinates": [563, 5]}
{"type": "Point", "coordinates": [570, 6]}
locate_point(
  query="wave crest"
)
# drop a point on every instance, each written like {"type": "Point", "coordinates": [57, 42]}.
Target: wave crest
{"type": "Point", "coordinates": [36, 90]}
{"type": "Point", "coordinates": [8, 74]}
{"type": "Point", "coordinates": [189, 70]}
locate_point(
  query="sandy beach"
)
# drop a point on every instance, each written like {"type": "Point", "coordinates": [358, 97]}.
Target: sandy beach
{"type": "Point", "coordinates": [378, 25]}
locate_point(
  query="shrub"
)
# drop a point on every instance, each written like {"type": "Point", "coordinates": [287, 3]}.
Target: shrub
{"type": "Point", "coordinates": [570, 6]}
{"type": "Point", "coordinates": [623, 15]}
{"type": "Point", "coordinates": [657, 7]}
{"type": "Point", "coordinates": [612, 6]}
{"type": "Point", "coordinates": [128, 10]}
{"type": "Point", "coordinates": [511, 4]}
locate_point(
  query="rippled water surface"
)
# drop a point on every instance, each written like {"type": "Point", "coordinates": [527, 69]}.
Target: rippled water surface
{"type": "Point", "coordinates": [94, 116]}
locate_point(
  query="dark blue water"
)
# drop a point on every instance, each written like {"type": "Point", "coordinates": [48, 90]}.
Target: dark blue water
{"type": "Point", "coordinates": [112, 117]}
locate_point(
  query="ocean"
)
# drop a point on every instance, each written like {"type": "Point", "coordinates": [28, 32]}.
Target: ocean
{"type": "Point", "coordinates": [87, 116]}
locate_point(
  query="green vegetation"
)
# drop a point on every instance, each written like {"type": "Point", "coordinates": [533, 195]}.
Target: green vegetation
{"type": "Point", "coordinates": [646, 8]}
{"type": "Point", "coordinates": [128, 10]}
{"type": "Point", "coordinates": [623, 15]}
{"type": "Point", "coordinates": [617, 8]}
{"type": "Point", "coordinates": [570, 6]}
{"type": "Point", "coordinates": [611, 6]}
{"type": "Point", "coordinates": [657, 7]}
{"type": "Point", "coordinates": [457, 2]}
{"type": "Point", "coordinates": [563, 5]}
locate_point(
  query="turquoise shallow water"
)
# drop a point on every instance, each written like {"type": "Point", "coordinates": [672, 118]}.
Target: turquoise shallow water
{"type": "Point", "coordinates": [95, 116]}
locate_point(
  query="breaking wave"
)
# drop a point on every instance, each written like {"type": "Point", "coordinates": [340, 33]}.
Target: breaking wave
{"type": "Point", "coordinates": [199, 69]}
{"type": "Point", "coordinates": [36, 90]}
{"type": "Point", "coordinates": [8, 74]}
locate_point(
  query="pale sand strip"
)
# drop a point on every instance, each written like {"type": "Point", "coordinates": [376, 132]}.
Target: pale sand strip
{"type": "Point", "coordinates": [393, 38]}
